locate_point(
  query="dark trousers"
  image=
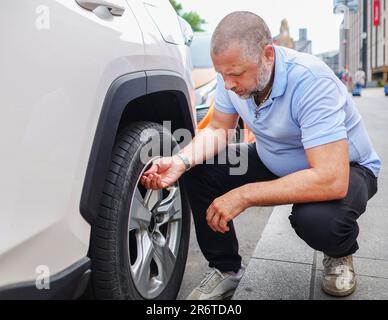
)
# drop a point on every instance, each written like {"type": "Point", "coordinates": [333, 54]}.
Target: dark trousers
{"type": "Point", "coordinates": [329, 226]}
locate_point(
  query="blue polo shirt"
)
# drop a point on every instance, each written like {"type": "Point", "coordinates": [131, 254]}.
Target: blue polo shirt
{"type": "Point", "coordinates": [308, 107]}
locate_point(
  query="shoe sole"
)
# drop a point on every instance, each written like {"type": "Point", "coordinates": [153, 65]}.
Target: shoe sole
{"type": "Point", "coordinates": [339, 294]}
{"type": "Point", "coordinates": [226, 296]}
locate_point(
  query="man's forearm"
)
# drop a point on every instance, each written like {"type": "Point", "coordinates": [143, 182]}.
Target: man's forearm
{"type": "Point", "coordinates": [205, 145]}
{"type": "Point", "coordinates": [299, 187]}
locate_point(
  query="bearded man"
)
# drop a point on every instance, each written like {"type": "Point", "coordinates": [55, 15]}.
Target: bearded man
{"type": "Point", "coordinates": [312, 150]}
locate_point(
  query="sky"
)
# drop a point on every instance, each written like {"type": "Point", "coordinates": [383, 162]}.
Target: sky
{"type": "Point", "coordinates": [315, 15]}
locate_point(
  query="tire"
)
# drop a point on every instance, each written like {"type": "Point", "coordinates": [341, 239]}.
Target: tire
{"type": "Point", "coordinates": [140, 238]}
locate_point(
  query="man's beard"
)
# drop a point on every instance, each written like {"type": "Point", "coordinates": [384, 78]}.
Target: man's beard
{"type": "Point", "coordinates": [263, 80]}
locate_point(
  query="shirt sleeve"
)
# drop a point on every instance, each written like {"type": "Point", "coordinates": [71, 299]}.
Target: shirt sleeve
{"type": "Point", "coordinates": [321, 114]}
{"type": "Point", "coordinates": [222, 99]}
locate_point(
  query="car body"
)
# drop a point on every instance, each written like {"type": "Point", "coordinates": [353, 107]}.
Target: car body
{"type": "Point", "coordinates": [75, 74]}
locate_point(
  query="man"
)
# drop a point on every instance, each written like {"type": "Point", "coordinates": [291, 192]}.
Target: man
{"type": "Point", "coordinates": [346, 78]}
{"type": "Point", "coordinates": [311, 150]}
{"type": "Point", "coordinates": [359, 78]}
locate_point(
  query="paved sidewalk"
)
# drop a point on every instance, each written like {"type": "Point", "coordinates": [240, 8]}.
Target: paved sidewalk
{"type": "Point", "coordinates": [284, 267]}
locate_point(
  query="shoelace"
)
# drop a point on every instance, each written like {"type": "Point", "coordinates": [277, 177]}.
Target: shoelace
{"type": "Point", "coordinates": [338, 265]}
{"type": "Point", "coordinates": [335, 262]}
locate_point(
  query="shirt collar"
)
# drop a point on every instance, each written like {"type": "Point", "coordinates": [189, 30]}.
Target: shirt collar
{"type": "Point", "coordinates": [280, 80]}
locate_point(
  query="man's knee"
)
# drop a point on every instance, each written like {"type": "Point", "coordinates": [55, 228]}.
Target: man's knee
{"type": "Point", "coordinates": [325, 227]}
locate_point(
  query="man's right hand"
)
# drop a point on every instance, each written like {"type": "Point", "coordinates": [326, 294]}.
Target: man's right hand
{"type": "Point", "coordinates": [163, 173]}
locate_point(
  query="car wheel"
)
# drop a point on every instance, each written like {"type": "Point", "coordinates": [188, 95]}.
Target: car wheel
{"type": "Point", "coordinates": [139, 241]}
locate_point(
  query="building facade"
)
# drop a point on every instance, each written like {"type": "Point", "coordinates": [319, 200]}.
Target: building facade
{"type": "Point", "coordinates": [284, 38]}
{"type": "Point", "coordinates": [303, 44]}
{"type": "Point", "coordinates": [365, 44]}
{"type": "Point", "coordinates": [378, 43]}
{"type": "Point", "coordinates": [331, 58]}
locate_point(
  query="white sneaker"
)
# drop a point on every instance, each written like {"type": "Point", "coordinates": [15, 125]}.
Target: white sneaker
{"type": "Point", "coordinates": [339, 278]}
{"type": "Point", "coordinates": [217, 285]}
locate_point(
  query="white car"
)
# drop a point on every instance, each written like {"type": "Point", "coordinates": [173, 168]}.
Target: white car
{"type": "Point", "coordinates": [80, 81]}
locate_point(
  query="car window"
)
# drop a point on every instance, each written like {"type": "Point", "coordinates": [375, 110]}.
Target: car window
{"type": "Point", "coordinates": [200, 51]}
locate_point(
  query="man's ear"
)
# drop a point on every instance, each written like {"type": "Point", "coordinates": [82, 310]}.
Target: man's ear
{"type": "Point", "coordinates": [269, 53]}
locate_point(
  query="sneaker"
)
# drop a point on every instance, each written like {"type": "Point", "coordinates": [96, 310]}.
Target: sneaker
{"type": "Point", "coordinates": [339, 279]}
{"type": "Point", "coordinates": [217, 285]}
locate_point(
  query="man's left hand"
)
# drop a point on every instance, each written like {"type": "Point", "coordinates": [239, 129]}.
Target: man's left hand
{"type": "Point", "coordinates": [224, 209]}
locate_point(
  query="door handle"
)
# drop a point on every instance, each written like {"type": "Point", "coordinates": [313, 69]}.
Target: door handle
{"type": "Point", "coordinates": [114, 8]}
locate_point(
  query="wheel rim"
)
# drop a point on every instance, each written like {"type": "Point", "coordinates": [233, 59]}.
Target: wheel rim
{"type": "Point", "coordinates": [154, 231]}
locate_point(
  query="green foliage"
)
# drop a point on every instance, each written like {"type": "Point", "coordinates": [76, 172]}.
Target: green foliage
{"type": "Point", "coordinates": [177, 7]}
{"type": "Point", "coordinates": [194, 20]}
{"type": "Point", "coordinates": [192, 17]}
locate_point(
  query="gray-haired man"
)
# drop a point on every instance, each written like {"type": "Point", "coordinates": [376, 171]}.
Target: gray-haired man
{"type": "Point", "coordinates": [311, 150]}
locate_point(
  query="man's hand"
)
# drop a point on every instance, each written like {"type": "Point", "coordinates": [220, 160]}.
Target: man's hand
{"type": "Point", "coordinates": [224, 209]}
{"type": "Point", "coordinates": [163, 173]}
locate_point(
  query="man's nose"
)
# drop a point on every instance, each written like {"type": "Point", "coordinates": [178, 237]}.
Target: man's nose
{"type": "Point", "coordinates": [229, 84]}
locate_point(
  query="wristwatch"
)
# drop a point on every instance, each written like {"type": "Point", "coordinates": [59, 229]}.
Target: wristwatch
{"type": "Point", "coordinates": [185, 160]}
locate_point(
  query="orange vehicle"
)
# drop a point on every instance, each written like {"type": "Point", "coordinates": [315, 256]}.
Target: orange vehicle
{"type": "Point", "coordinates": [205, 82]}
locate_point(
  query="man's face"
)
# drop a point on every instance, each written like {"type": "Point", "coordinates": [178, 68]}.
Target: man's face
{"type": "Point", "coordinates": [245, 78]}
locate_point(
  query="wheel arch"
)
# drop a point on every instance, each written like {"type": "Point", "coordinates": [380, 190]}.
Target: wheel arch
{"type": "Point", "coordinates": [144, 96]}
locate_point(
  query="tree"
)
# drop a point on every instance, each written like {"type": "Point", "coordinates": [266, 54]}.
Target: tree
{"type": "Point", "coordinates": [194, 20]}
{"type": "Point", "coordinates": [192, 17]}
{"type": "Point", "coordinates": [177, 7]}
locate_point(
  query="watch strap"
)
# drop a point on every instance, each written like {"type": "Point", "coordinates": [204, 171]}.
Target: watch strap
{"type": "Point", "coordinates": [185, 160]}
